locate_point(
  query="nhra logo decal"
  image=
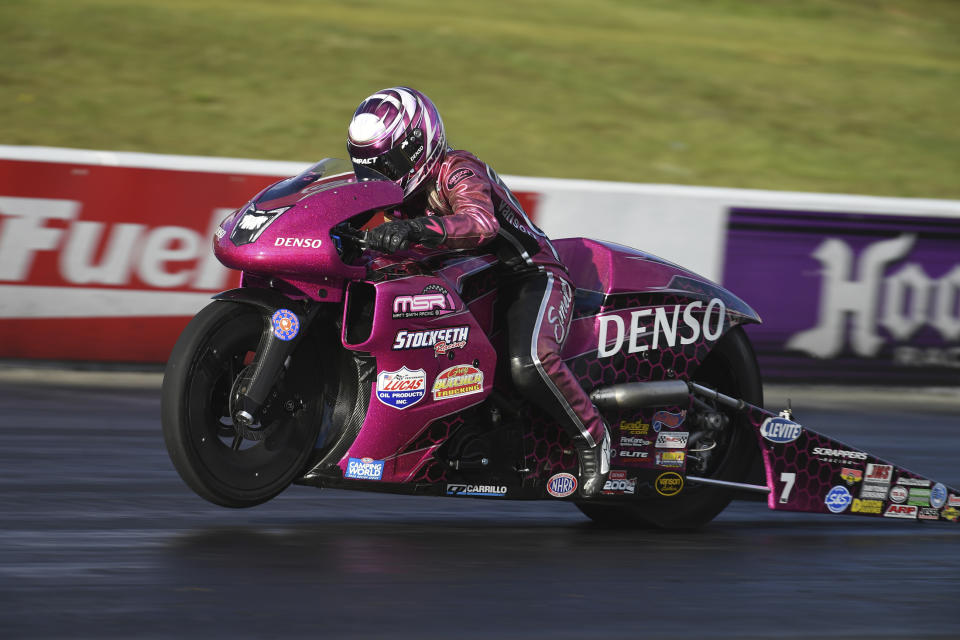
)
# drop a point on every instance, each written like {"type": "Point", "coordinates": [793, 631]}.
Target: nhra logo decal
{"type": "Point", "coordinates": [669, 483]}
{"type": "Point", "coordinates": [434, 301]}
{"type": "Point", "coordinates": [676, 440]}
{"type": "Point", "coordinates": [459, 380]}
{"type": "Point", "coordinates": [665, 330]}
{"type": "Point", "coordinates": [476, 490]}
{"type": "Point", "coordinates": [561, 485]}
{"type": "Point", "coordinates": [780, 430]}
{"type": "Point", "coordinates": [442, 340]}
{"type": "Point", "coordinates": [666, 419]}
{"type": "Point", "coordinates": [285, 324]}
{"type": "Point", "coordinates": [838, 499]}
{"type": "Point", "coordinates": [901, 511]}
{"type": "Point", "coordinates": [364, 469]}
{"type": "Point", "coordinates": [619, 484]}
{"type": "Point", "coordinates": [403, 388]}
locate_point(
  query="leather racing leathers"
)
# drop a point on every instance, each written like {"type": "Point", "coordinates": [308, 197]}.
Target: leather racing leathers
{"type": "Point", "coordinates": [469, 206]}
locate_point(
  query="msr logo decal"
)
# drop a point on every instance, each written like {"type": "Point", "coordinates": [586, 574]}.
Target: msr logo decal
{"type": "Point", "coordinates": [433, 301]}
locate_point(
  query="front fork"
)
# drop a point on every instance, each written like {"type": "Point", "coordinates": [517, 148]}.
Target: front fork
{"type": "Point", "coordinates": [285, 322]}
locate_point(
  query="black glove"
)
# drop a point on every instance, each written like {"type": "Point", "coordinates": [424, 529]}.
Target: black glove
{"type": "Point", "coordinates": [397, 235]}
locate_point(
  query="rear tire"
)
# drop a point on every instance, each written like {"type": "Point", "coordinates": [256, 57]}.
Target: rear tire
{"type": "Point", "coordinates": [228, 467]}
{"type": "Point", "coordinates": [732, 369]}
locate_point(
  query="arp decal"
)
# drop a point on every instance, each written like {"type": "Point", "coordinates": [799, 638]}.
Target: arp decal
{"type": "Point", "coordinates": [901, 511]}
{"type": "Point", "coordinates": [285, 324]}
{"type": "Point", "coordinates": [561, 485]}
{"type": "Point", "coordinates": [403, 388]}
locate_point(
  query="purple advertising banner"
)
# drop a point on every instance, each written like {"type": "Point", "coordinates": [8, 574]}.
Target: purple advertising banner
{"type": "Point", "coordinates": [851, 298]}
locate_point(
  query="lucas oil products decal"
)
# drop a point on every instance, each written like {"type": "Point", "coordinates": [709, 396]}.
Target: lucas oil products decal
{"type": "Point", "coordinates": [401, 389]}
{"type": "Point", "coordinates": [364, 469]}
{"type": "Point", "coordinates": [285, 324]}
{"type": "Point", "coordinates": [459, 380]}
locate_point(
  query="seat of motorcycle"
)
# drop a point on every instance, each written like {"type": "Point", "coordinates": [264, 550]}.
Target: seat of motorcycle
{"type": "Point", "coordinates": [610, 268]}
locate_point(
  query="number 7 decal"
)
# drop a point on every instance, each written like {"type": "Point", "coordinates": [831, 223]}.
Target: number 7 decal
{"type": "Point", "coordinates": [787, 478]}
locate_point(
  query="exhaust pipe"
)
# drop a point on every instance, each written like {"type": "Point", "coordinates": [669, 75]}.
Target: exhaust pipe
{"type": "Point", "coordinates": [633, 395]}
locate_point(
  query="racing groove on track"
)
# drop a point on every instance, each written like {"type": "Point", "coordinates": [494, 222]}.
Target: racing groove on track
{"type": "Point", "coordinates": [98, 537]}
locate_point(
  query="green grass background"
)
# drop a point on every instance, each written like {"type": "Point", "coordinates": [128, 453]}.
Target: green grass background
{"type": "Point", "coordinates": [855, 96]}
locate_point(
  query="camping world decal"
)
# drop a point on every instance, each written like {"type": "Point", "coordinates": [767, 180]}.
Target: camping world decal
{"type": "Point", "coordinates": [459, 380]}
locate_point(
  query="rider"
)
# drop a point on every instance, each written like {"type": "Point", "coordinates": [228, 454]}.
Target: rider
{"type": "Point", "coordinates": [453, 200]}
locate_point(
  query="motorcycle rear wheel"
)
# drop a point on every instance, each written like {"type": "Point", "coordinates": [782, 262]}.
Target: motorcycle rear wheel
{"type": "Point", "coordinates": [732, 369]}
{"type": "Point", "coordinates": [221, 463]}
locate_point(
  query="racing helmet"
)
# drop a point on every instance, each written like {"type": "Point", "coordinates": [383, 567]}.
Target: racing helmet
{"type": "Point", "coordinates": [398, 133]}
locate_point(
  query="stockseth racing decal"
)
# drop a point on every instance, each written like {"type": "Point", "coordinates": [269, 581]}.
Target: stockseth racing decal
{"type": "Point", "coordinates": [285, 324]}
{"type": "Point", "coordinates": [488, 490]}
{"type": "Point", "coordinates": [364, 469]}
{"type": "Point", "coordinates": [442, 340]}
{"type": "Point", "coordinates": [459, 380]}
{"type": "Point", "coordinates": [561, 485]}
{"type": "Point", "coordinates": [403, 388]}
{"type": "Point", "coordinates": [780, 430]}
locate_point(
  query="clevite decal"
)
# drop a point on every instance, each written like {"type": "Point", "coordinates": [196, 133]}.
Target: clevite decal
{"type": "Point", "coordinates": [780, 430]}
{"type": "Point", "coordinates": [665, 330]}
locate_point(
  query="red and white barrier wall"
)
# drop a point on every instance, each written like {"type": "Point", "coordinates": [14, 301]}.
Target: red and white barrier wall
{"type": "Point", "coordinates": [104, 256]}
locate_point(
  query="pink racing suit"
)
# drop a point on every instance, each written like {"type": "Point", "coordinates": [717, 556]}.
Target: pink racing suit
{"type": "Point", "coordinates": [471, 207]}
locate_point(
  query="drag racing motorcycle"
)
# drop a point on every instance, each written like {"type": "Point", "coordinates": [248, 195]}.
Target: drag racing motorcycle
{"type": "Point", "coordinates": [336, 366]}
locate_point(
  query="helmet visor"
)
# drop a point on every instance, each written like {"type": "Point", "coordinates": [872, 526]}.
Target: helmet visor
{"type": "Point", "coordinates": [399, 161]}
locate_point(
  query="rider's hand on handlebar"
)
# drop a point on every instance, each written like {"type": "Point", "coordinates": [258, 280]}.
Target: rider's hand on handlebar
{"type": "Point", "coordinates": [394, 236]}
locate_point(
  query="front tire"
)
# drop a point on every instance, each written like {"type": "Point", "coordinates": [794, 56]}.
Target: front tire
{"type": "Point", "coordinates": [222, 463]}
{"type": "Point", "coordinates": [731, 368]}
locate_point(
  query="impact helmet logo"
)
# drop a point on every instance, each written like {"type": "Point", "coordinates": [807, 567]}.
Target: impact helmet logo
{"type": "Point", "coordinates": [285, 324]}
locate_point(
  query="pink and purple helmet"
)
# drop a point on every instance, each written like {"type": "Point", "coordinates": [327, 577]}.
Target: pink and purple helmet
{"type": "Point", "coordinates": [398, 133]}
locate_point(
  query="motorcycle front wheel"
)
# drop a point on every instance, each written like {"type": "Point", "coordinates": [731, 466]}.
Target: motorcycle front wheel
{"type": "Point", "coordinates": [228, 464]}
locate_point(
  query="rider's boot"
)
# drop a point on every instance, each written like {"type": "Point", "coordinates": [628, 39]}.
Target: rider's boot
{"type": "Point", "coordinates": [594, 466]}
